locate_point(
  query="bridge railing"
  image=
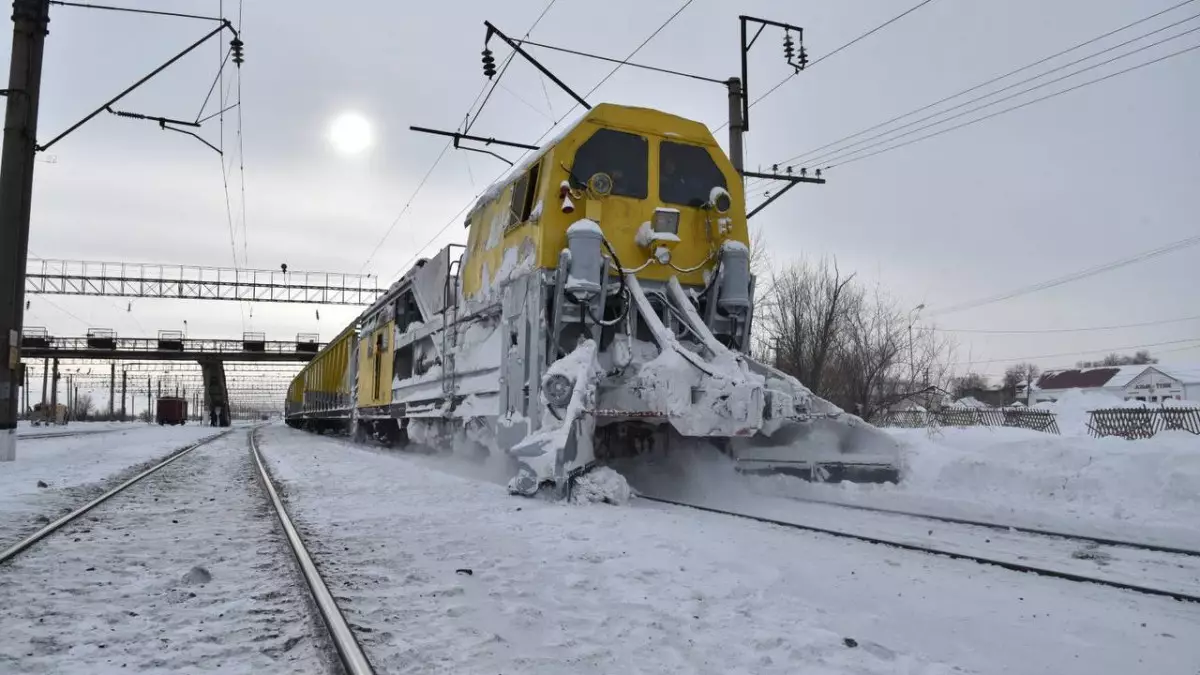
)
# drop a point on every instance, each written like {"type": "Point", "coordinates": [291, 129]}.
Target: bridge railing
{"type": "Point", "coordinates": [99, 345]}
{"type": "Point", "coordinates": [149, 280]}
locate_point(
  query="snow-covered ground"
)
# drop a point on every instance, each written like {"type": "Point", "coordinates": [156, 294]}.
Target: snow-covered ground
{"type": "Point", "coordinates": [76, 468]}
{"type": "Point", "coordinates": [27, 430]}
{"type": "Point", "coordinates": [443, 573]}
{"type": "Point", "coordinates": [183, 573]}
{"type": "Point", "coordinates": [1145, 490]}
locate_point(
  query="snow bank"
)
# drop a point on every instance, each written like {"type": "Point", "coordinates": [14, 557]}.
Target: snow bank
{"type": "Point", "coordinates": [1008, 474]}
{"type": "Point", "coordinates": [1072, 407]}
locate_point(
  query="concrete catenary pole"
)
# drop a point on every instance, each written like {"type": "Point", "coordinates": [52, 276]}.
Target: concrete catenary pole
{"type": "Point", "coordinates": [30, 21]}
{"type": "Point", "coordinates": [112, 389]}
{"type": "Point", "coordinates": [54, 393]}
{"type": "Point", "coordinates": [737, 126]}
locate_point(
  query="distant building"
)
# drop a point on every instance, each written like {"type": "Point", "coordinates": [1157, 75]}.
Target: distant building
{"type": "Point", "coordinates": [990, 395]}
{"type": "Point", "coordinates": [1152, 383]}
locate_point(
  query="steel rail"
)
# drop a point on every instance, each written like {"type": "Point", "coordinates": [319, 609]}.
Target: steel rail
{"type": "Point", "coordinates": [65, 434]}
{"type": "Point", "coordinates": [349, 651]}
{"type": "Point", "coordinates": [1015, 528]}
{"type": "Point", "coordinates": [49, 529]}
{"type": "Point", "coordinates": [1016, 567]}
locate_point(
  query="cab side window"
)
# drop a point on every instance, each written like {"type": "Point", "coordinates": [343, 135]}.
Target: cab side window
{"type": "Point", "coordinates": [524, 195]}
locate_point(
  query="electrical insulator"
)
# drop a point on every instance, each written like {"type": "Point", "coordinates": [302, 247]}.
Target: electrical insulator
{"type": "Point", "coordinates": [803, 57]}
{"type": "Point", "coordinates": [788, 46]}
{"type": "Point", "coordinates": [818, 173]}
{"type": "Point", "coordinates": [803, 171]}
{"type": "Point", "coordinates": [774, 168]}
{"type": "Point", "coordinates": [235, 45]}
{"type": "Point", "coordinates": [489, 64]}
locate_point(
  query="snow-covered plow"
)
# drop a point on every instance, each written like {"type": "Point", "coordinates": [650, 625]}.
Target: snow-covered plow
{"type": "Point", "coordinates": [540, 345]}
{"type": "Point", "coordinates": [634, 396]}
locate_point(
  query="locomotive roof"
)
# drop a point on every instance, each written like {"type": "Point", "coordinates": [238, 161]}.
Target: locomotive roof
{"type": "Point", "coordinates": [631, 118]}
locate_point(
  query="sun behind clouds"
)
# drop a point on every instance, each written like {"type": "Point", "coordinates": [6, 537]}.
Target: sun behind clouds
{"type": "Point", "coordinates": [351, 133]}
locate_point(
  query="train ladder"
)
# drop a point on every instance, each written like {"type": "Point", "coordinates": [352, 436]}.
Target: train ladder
{"type": "Point", "coordinates": [450, 334]}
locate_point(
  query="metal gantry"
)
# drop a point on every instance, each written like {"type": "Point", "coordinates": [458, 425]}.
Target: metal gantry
{"type": "Point", "coordinates": [107, 346]}
{"type": "Point", "coordinates": [195, 282]}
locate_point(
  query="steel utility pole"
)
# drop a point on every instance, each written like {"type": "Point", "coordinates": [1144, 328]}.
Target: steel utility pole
{"type": "Point", "coordinates": [30, 21]}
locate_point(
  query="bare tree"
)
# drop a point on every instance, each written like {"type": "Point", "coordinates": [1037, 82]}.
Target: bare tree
{"type": "Point", "coordinates": [869, 367]}
{"type": "Point", "coordinates": [854, 348]}
{"type": "Point", "coordinates": [760, 258]}
{"type": "Point", "coordinates": [806, 310]}
{"type": "Point", "coordinates": [1018, 375]}
{"type": "Point", "coordinates": [1138, 358]}
{"type": "Point", "coordinates": [970, 382]}
{"type": "Point", "coordinates": [82, 406]}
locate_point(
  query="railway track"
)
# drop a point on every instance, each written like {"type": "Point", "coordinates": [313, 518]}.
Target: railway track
{"type": "Point", "coordinates": [349, 651]}
{"type": "Point", "coordinates": [57, 524]}
{"type": "Point", "coordinates": [64, 434]}
{"type": "Point", "coordinates": [1104, 541]}
{"type": "Point", "coordinates": [1188, 590]}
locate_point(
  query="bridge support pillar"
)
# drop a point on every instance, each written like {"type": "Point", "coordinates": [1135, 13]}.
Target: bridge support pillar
{"type": "Point", "coordinates": [216, 396]}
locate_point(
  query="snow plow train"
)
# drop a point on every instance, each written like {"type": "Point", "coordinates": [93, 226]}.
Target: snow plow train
{"type": "Point", "coordinates": [602, 307]}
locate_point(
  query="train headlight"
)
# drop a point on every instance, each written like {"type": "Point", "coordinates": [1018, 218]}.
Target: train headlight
{"type": "Point", "coordinates": [557, 388]}
{"type": "Point", "coordinates": [720, 199]}
{"type": "Point", "coordinates": [665, 220]}
{"type": "Point", "coordinates": [601, 184]}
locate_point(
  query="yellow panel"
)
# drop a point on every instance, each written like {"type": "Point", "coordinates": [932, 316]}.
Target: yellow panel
{"type": "Point", "coordinates": [375, 367]}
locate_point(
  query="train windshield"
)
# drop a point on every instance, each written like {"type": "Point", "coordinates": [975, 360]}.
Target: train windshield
{"type": "Point", "coordinates": [687, 174]}
{"type": "Point", "coordinates": [623, 156]}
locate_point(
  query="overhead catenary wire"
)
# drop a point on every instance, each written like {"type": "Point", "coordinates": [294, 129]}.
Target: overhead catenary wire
{"type": "Point", "coordinates": [990, 81]}
{"type": "Point", "coordinates": [1075, 353]}
{"type": "Point", "coordinates": [624, 62]}
{"type": "Point", "coordinates": [466, 127]}
{"type": "Point", "coordinates": [134, 10]}
{"type": "Point", "coordinates": [832, 156]}
{"type": "Point", "coordinates": [213, 86]}
{"type": "Point", "coordinates": [612, 72]}
{"type": "Point", "coordinates": [1041, 331]}
{"type": "Point", "coordinates": [504, 68]}
{"type": "Point", "coordinates": [848, 159]}
{"type": "Point", "coordinates": [1068, 278]}
{"type": "Point", "coordinates": [466, 206]}
{"type": "Point", "coordinates": [242, 155]}
{"type": "Point", "coordinates": [861, 37]}
{"type": "Point", "coordinates": [224, 93]}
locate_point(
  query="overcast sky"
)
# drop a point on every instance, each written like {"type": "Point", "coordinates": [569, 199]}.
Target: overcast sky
{"type": "Point", "coordinates": [1076, 181]}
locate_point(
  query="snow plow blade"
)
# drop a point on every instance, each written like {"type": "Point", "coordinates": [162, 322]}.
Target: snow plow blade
{"type": "Point", "coordinates": [827, 450]}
